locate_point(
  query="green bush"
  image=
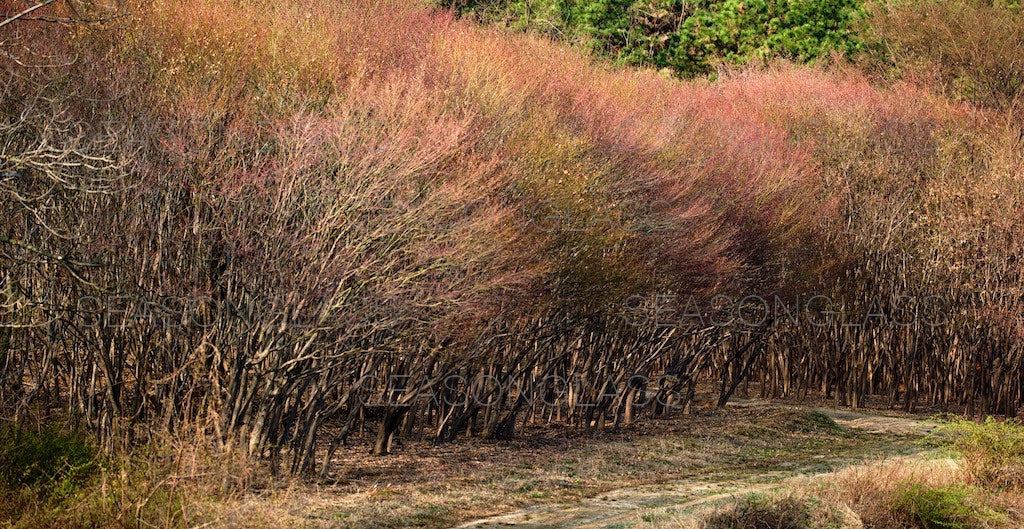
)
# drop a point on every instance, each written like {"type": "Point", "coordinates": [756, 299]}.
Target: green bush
{"type": "Point", "coordinates": [992, 452]}
{"type": "Point", "coordinates": [53, 462]}
{"type": "Point", "coordinates": [689, 37]}
{"type": "Point", "coordinates": [948, 507]}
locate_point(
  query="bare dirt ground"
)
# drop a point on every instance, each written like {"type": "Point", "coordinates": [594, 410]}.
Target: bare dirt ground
{"type": "Point", "coordinates": [632, 506]}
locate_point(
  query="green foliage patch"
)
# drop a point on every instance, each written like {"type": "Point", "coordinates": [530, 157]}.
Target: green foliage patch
{"type": "Point", "coordinates": [992, 451]}
{"type": "Point", "coordinates": [688, 37]}
{"type": "Point", "coordinates": [948, 507]}
{"type": "Point", "coordinates": [54, 462]}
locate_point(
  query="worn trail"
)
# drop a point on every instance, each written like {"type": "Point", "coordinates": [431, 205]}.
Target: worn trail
{"type": "Point", "coordinates": [618, 508]}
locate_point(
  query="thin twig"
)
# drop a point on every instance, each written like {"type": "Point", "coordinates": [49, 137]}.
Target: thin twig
{"type": "Point", "coordinates": [70, 20]}
{"type": "Point", "coordinates": [27, 11]}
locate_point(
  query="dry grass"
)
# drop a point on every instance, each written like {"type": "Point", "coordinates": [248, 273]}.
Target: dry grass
{"type": "Point", "coordinates": [909, 492]}
{"type": "Point", "coordinates": [754, 511]}
{"type": "Point", "coordinates": [170, 482]}
{"type": "Point", "coordinates": [905, 493]}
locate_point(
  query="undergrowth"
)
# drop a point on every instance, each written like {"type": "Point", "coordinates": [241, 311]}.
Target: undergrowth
{"type": "Point", "coordinates": [53, 462]}
{"type": "Point", "coordinates": [992, 451]}
{"type": "Point", "coordinates": [954, 506]}
{"type": "Point", "coordinates": [768, 511]}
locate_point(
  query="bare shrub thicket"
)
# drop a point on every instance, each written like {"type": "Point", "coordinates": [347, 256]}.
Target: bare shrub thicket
{"type": "Point", "coordinates": [968, 49]}
{"type": "Point", "coordinates": [277, 229]}
{"type": "Point", "coordinates": [923, 272]}
{"type": "Point", "coordinates": [257, 225]}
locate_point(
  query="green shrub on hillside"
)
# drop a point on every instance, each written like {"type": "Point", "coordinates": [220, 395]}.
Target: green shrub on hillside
{"type": "Point", "coordinates": [992, 452]}
{"type": "Point", "coordinates": [949, 507]}
{"type": "Point", "coordinates": [55, 463]}
{"type": "Point", "coordinates": [690, 38]}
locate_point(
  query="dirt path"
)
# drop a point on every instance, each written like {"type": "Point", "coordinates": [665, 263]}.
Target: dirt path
{"type": "Point", "coordinates": [619, 508]}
